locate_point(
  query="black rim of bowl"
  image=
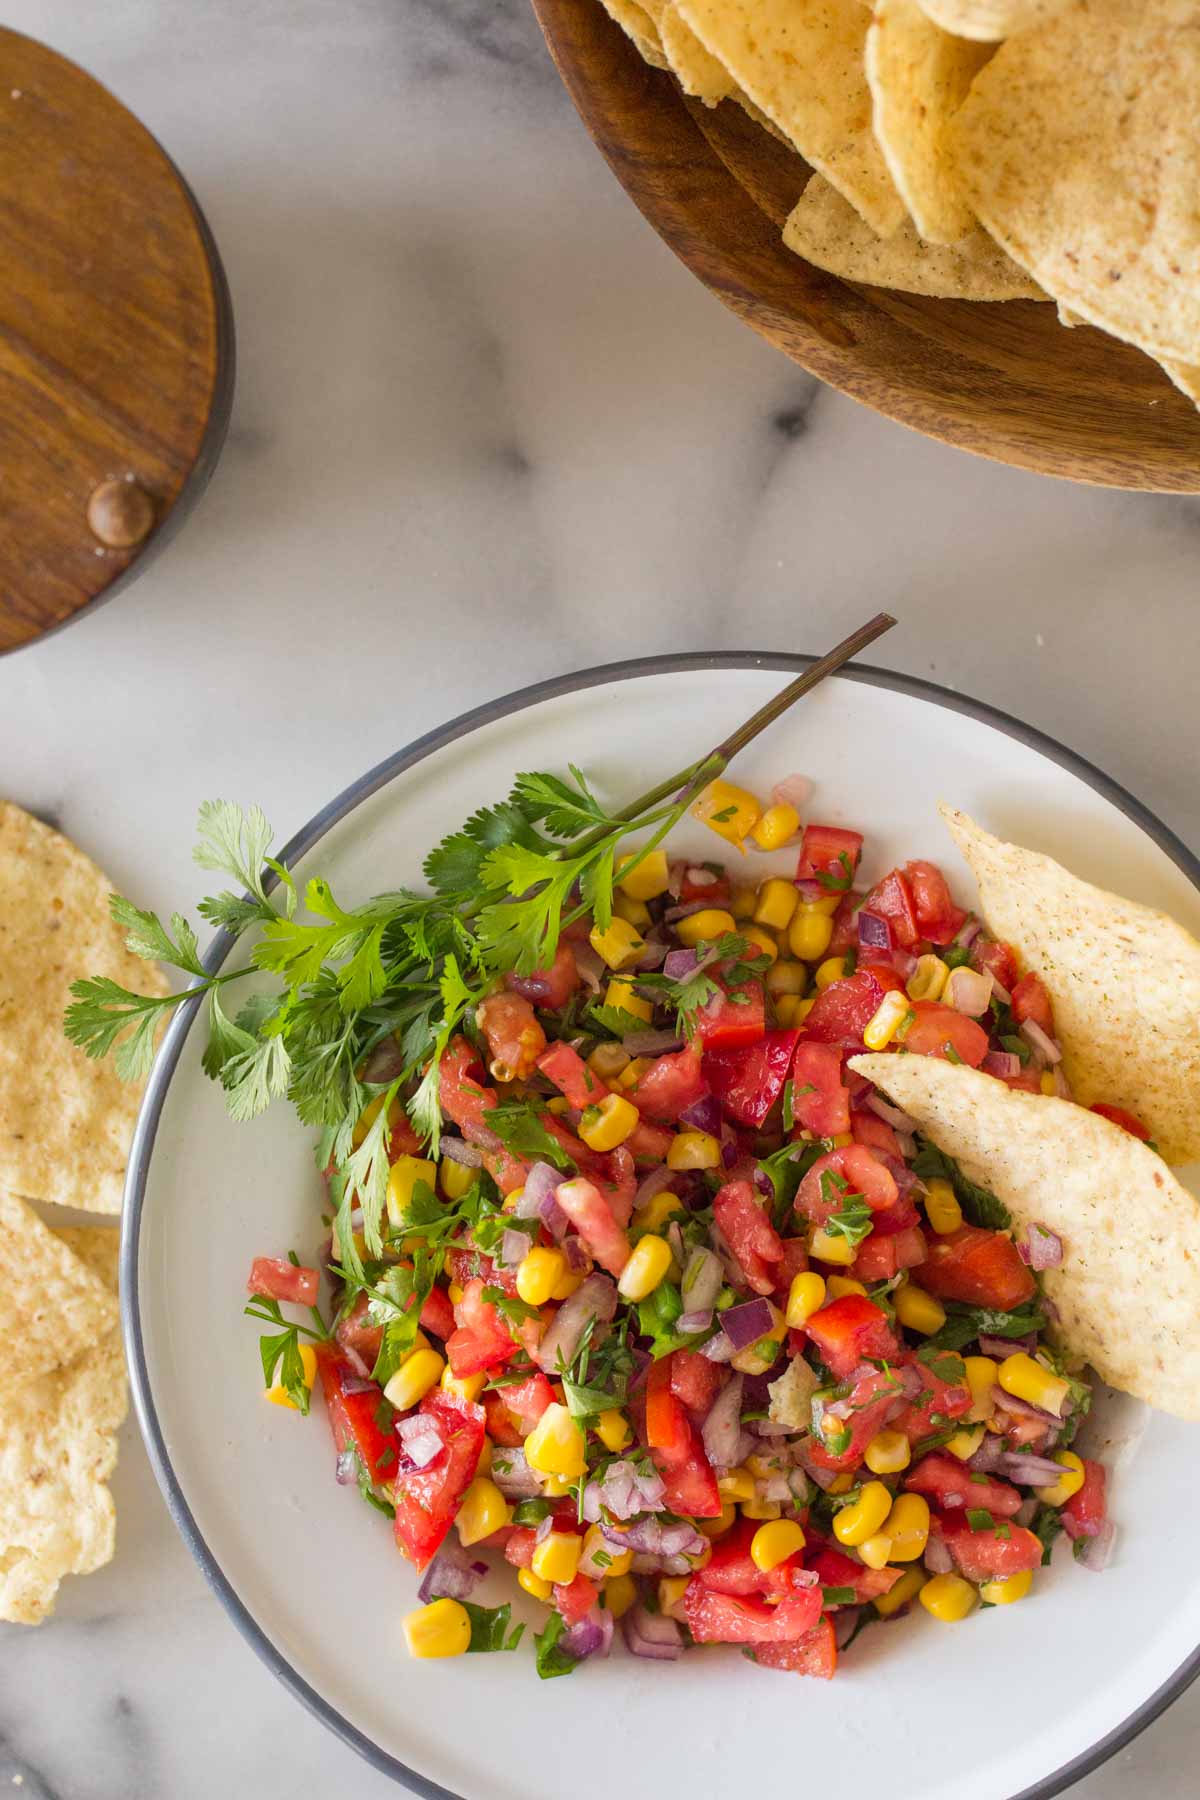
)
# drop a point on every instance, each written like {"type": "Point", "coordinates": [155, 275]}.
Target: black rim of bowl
{"type": "Point", "coordinates": [322, 822]}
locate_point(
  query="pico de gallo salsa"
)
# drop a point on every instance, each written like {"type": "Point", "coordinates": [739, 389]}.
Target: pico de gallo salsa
{"type": "Point", "coordinates": [682, 1320]}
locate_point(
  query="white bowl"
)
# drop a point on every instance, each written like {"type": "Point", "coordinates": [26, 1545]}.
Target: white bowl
{"type": "Point", "coordinates": [1018, 1700]}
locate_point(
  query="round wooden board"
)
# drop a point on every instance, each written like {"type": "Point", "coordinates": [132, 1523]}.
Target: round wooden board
{"type": "Point", "coordinates": [116, 338]}
{"type": "Point", "coordinates": [1005, 381]}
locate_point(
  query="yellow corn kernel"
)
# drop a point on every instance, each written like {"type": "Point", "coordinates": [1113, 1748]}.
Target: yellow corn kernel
{"type": "Point", "coordinates": [981, 1379]}
{"type": "Point", "coordinates": [1028, 1380]}
{"type": "Point", "coordinates": [556, 1558]}
{"type": "Point", "coordinates": [1048, 1084]}
{"type": "Point", "coordinates": [773, 1544]}
{"type": "Point", "coordinates": [761, 1509]}
{"type": "Point", "coordinates": [482, 1510]}
{"type": "Point", "coordinates": [571, 1279]}
{"type": "Point", "coordinates": [632, 1073]}
{"type": "Point", "coordinates": [899, 1595]}
{"type": "Point", "coordinates": [715, 1528]}
{"type": "Point", "coordinates": [403, 1177]}
{"type": "Point", "coordinates": [671, 1589]}
{"type": "Point", "coordinates": [705, 927]}
{"type": "Point", "coordinates": [657, 1210]}
{"type": "Point", "coordinates": [442, 1628]}
{"type": "Point", "coordinates": [700, 1559]}
{"type": "Point", "coordinates": [755, 1361]}
{"type": "Point", "coordinates": [928, 980]}
{"type": "Point", "coordinates": [841, 1484]}
{"type": "Point", "coordinates": [1007, 1588]}
{"type": "Point", "coordinates": [620, 946]}
{"type": "Point", "coordinates": [777, 826]}
{"type": "Point", "coordinates": [538, 1274]}
{"type": "Point", "coordinates": [802, 1011]}
{"type": "Point", "coordinates": [829, 1249]}
{"type": "Point", "coordinates": [1068, 1483]}
{"type": "Point", "coordinates": [467, 1387]}
{"type": "Point", "coordinates": [620, 993]}
{"type": "Point", "coordinates": [786, 977]}
{"type": "Point", "coordinates": [877, 1551]}
{"type": "Point", "coordinates": [612, 1428]}
{"type": "Point", "coordinates": [605, 1126]}
{"type": "Point", "coordinates": [558, 1105]}
{"type": "Point", "coordinates": [609, 1060]}
{"type": "Point", "coordinates": [417, 1375]}
{"type": "Point", "coordinates": [648, 1263]}
{"type": "Point", "coordinates": [786, 1006]}
{"type": "Point", "coordinates": [907, 1525]}
{"type": "Point", "coordinates": [855, 1523]}
{"type": "Point", "coordinates": [368, 1116]}
{"type": "Point", "coordinates": [555, 1487]}
{"type": "Point", "coordinates": [455, 1178]}
{"type": "Point", "coordinates": [484, 1465]}
{"type": "Point", "coordinates": [809, 934]}
{"type": "Point", "coordinates": [534, 1585]}
{"type": "Point", "coordinates": [279, 1396]}
{"type": "Point", "coordinates": [831, 970]}
{"type": "Point", "coordinates": [965, 1443]}
{"type": "Point", "coordinates": [760, 941]}
{"type": "Point", "coordinates": [842, 1139]}
{"type": "Point", "coordinates": [736, 1484]}
{"type": "Point", "coordinates": [918, 1310]}
{"type": "Point", "coordinates": [762, 1467]}
{"type": "Point", "coordinates": [892, 1012]}
{"type": "Point", "coordinates": [600, 1559]}
{"type": "Point", "coordinates": [941, 1207]}
{"type": "Point", "coordinates": [841, 1285]}
{"type": "Point", "coordinates": [556, 1445]}
{"type": "Point", "coordinates": [651, 878]}
{"type": "Point", "coordinates": [743, 901]}
{"type": "Point", "coordinates": [777, 901]}
{"type": "Point", "coordinates": [510, 1201]}
{"type": "Point", "coordinates": [454, 1293]}
{"type": "Point", "coordinates": [948, 1598]}
{"type": "Point", "coordinates": [634, 912]}
{"type": "Point", "coordinates": [694, 1150]}
{"type": "Point", "coordinates": [730, 811]}
{"type": "Point", "coordinates": [888, 1452]}
{"type": "Point", "coordinates": [620, 1593]}
{"type": "Point", "coordinates": [805, 1297]}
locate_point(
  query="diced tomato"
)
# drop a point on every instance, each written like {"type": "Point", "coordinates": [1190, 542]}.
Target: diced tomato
{"type": "Point", "coordinates": [874, 1400]}
{"type": "Point", "coordinates": [694, 1380]}
{"type": "Point", "coordinates": [670, 1085]}
{"type": "Point", "coordinates": [793, 1262]}
{"type": "Point", "coordinates": [482, 1340]}
{"type": "Point", "coordinates": [837, 1571]}
{"type": "Point", "coordinates": [528, 1400]}
{"type": "Point", "coordinates": [571, 1075]}
{"type": "Point", "coordinates": [715, 891]}
{"type": "Point", "coordinates": [1118, 1116]}
{"type": "Point", "coordinates": [979, 1267]}
{"type": "Point", "coordinates": [520, 1547]}
{"type": "Point", "coordinates": [820, 1102]}
{"type": "Point", "coordinates": [845, 924]}
{"type": "Point", "coordinates": [1026, 1081]}
{"type": "Point", "coordinates": [891, 899]}
{"type": "Point", "coordinates": [714, 1618]}
{"type": "Point", "coordinates": [842, 1012]}
{"type": "Point", "coordinates": [649, 1143]}
{"type": "Point", "coordinates": [814, 1654]}
{"type": "Point", "coordinates": [354, 1416]}
{"type": "Point", "coordinates": [281, 1280]}
{"type": "Point", "coordinates": [576, 1598]}
{"type": "Point", "coordinates": [848, 1331]}
{"type": "Point", "coordinates": [402, 1139]}
{"type": "Point", "coordinates": [437, 1314]}
{"type": "Point", "coordinates": [501, 1426]}
{"type": "Point", "coordinates": [851, 1170]}
{"type": "Point", "coordinates": [982, 1555]}
{"type": "Point", "coordinates": [991, 957]}
{"type": "Point", "coordinates": [878, 1257]}
{"type": "Point", "coordinates": [748, 1079]}
{"type": "Point", "coordinates": [355, 1332]}
{"type": "Point", "coordinates": [1031, 1001]}
{"type": "Point", "coordinates": [676, 1450]}
{"type": "Point", "coordinates": [731, 1569]}
{"type": "Point", "coordinates": [1085, 1512]}
{"type": "Point", "coordinates": [427, 1499]}
{"type": "Point", "coordinates": [735, 1015]}
{"type": "Point", "coordinates": [593, 1219]}
{"type": "Point", "coordinates": [901, 1215]}
{"type": "Point", "coordinates": [937, 1402]}
{"type": "Point", "coordinates": [551, 987]}
{"type": "Point", "coordinates": [822, 849]}
{"type": "Point", "coordinates": [666, 1421]}
{"type": "Point", "coordinates": [939, 1031]}
{"type": "Point", "coordinates": [949, 1483]}
{"type": "Point", "coordinates": [939, 921]}
{"type": "Point", "coordinates": [514, 1038]}
{"type": "Point", "coordinates": [467, 1099]}
{"type": "Point", "coordinates": [756, 1245]}
{"type": "Point", "coordinates": [875, 1133]}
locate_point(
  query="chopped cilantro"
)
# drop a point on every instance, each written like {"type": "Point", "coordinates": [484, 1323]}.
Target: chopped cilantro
{"type": "Point", "coordinates": [980, 1207]}
{"type": "Point", "coordinates": [489, 1627]}
{"type": "Point", "coordinates": [552, 1659]}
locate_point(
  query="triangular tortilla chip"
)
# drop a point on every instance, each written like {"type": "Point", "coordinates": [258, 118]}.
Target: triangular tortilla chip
{"type": "Point", "coordinates": [1124, 979]}
{"type": "Point", "coordinates": [695, 68]}
{"type": "Point", "coordinates": [639, 28]}
{"type": "Point", "coordinates": [1128, 1290]}
{"type": "Point", "coordinates": [51, 1304]}
{"type": "Point", "coordinates": [990, 20]}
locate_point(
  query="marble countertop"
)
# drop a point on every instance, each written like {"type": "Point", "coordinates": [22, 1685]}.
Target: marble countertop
{"type": "Point", "coordinates": [486, 430]}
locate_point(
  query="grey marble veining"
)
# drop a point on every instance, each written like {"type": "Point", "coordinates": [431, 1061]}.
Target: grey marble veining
{"type": "Point", "coordinates": [486, 429]}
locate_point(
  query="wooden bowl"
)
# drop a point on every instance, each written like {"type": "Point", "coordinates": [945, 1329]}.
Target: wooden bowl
{"type": "Point", "coordinates": [1004, 380]}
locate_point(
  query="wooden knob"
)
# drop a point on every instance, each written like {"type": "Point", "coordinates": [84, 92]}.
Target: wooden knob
{"type": "Point", "coordinates": [120, 513]}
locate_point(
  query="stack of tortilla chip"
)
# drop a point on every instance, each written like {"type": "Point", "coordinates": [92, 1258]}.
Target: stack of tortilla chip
{"type": "Point", "coordinates": [65, 1125]}
{"type": "Point", "coordinates": [975, 149]}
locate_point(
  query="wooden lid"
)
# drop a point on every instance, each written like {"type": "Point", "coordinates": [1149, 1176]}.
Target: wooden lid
{"type": "Point", "coordinates": [116, 343]}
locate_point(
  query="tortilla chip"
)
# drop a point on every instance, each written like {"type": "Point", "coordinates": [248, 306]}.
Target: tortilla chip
{"type": "Point", "coordinates": [990, 20]}
{"type": "Point", "coordinates": [1124, 979]}
{"type": "Point", "coordinates": [1079, 149]}
{"type": "Point", "coordinates": [639, 28]}
{"type": "Point", "coordinates": [66, 1119]}
{"type": "Point", "coordinates": [51, 1304]}
{"type": "Point", "coordinates": [697, 71]}
{"type": "Point", "coordinates": [826, 231]}
{"type": "Point", "coordinates": [57, 1449]}
{"type": "Point", "coordinates": [1128, 1290]}
{"type": "Point", "coordinates": [919, 77]}
{"type": "Point", "coordinates": [801, 62]}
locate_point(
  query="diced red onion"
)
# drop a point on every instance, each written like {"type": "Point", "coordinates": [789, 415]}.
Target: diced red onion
{"type": "Point", "coordinates": [776, 1488]}
{"type": "Point", "coordinates": [967, 933]}
{"type": "Point", "coordinates": [904, 962]}
{"type": "Point", "coordinates": [575, 1251]}
{"type": "Point", "coordinates": [891, 1115]}
{"type": "Point", "coordinates": [591, 966]}
{"type": "Point", "coordinates": [512, 1474]}
{"type": "Point", "coordinates": [703, 1115]}
{"type": "Point", "coordinates": [702, 1279]}
{"type": "Point", "coordinates": [845, 1624]}
{"type": "Point", "coordinates": [675, 1242]}
{"type": "Point", "coordinates": [763, 1182]}
{"type": "Point", "coordinates": [771, 1428]}
{"type": "Point", "coordinates": [730, 1148]}
{"type": "Point", "coordinates": [554, 1218]}
{"type": "Point", "coordinates": [659, 1177]}
{"type": "Point", "coordinates": [358, 1383]}
{"type": "Point", "coordinates": [1027, 1511]}
{"type": "Point", "coordinates": [590, 1636]}
{"type": "Point", "coordinates": [1099, 1548]}
{"type": "Point", "coordinates": [675, 873]}
{"type": "Point", "coordinates": [1040, 1248]}
{"type": "Point", "coordinates": [514, 1246]}
{"type": "Point", "coordinates": [824, 1478]}
{"type": "Point", "coordinates": [857, 1086]}
{"type": "Point", "coordinates": [743, 1325]}
{"type": "Point", "coordinates": [650, 1537]}
{"type": "Point", "coordinates": [722, 1428]}
{"type": "Point", "coordinates": [651, 1634]}
{"type": "Point", "coordinates": [540, 1184]}
{"type": "Point", "coordinates": [874, 932]}
{"type": "Point", "coordinates": [793, 790]}
{"type": "Point", "coordinates": [457, 1150]}
{"type": "Point", "coordinates": [452, 1575]}
{"type": "Point", "coordinates": [1000, 1348]}
{"type": "Point", "coordinates": [692, 1324]}
{"type": "Point", "coordinates": [937, 1557]}
{"type": "Point", "coordinates": [990, 1454]}
{"type": "Point", "coordinates": [479, 1134]}
{"type": "Point", "coordinates": [651, 1043]}
{"type": "Point", "coordinates": [346, 1468]}
{"type": "Point", "coordinates": [385, 1062]}
{"type": "Point", "coordinates": [718, 1349]}
{"type": "Point", "coordinates": [422, 1439]}
{"type": "Point", "coordinates": [1031, 1471]}
{"type": "Point", "coordinates": [673, 913]}
{"type": "Point", "coordinates": [1062, 1087]}
{"type": "Point", "coordinates": [624, 1490]}
{"type": "Point", "coordinates": [1003, 1063]}
{"type": "Point", "coordinates": [595, 1298]}
{"type": "Point", "coordinates": [655, 953]}
{"type": "Point", "coordinates": [700, 877]}
{"type": "Point", "coordinates": [1045, 1046]}
{"type": "Point", "coordinates": [543, 1529]}
{"type": "Point", "coordinates": [968, 992]}
{"type": "Point", "coordinates": [810, 889]}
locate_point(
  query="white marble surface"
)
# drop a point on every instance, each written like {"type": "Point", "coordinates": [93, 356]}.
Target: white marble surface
{"type": "Point", "coordinates": [487, 429]}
